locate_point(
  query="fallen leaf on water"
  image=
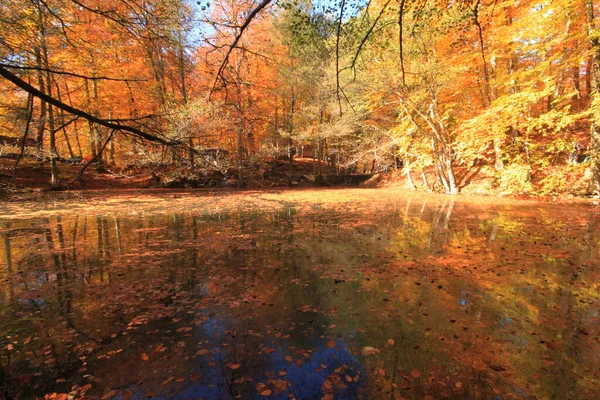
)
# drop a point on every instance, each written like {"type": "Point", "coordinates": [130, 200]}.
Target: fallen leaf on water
{"type": "Point", "coordinates": [266, 392]}
{"type": "Point", "coordinates": [144, 356]}
{"type": "Point", "coordinates": [201, 352]}
{"type": "Point", "coordinates": [458, 384]}
{"type": "Point", "coordinates": [348, 378]}
{"type": "Point", "coordinates": [381, 372]}
{"type": "Point", "coordinates": [331, 344]}
{"type": "Point", "coordinates": [193, 377]}
{"type": "Point", "coordinates": [260, 387]}
{"type": "Point", "coordinates": [415, 373]}
{"type": "Point", "coordinates": [127, 395]}
{"type": "Point", "coordinates": [368, 350]}
{"type": "Point", "coordinates": [235, 366]}
{"type": "Point", "coordinates": [390, 342]}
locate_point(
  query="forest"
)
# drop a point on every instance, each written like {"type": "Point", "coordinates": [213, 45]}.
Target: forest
{"type": "Point", "coordinates": [439, 92]}
{"type": "Point", "coordinates": [299, 199]}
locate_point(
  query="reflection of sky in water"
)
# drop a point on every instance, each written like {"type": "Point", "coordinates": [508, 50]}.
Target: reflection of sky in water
{"type": "Point", "coordinates": [305, 382]}
{"type": "Point", "coordinates": [306, 379]}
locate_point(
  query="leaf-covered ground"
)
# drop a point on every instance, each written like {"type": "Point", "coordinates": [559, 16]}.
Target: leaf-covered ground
{"type": "Point", "coordinates": [344, 293]}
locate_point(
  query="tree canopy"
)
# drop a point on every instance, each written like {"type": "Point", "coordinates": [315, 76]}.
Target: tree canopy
{"type": "Point", "coordinates": [446, 87]}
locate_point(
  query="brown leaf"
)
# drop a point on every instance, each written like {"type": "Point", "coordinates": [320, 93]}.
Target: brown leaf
{"type": "Point", "coordinates": [331, 344]}
{"type": "Point", "coordinates": [235, 366]}
{"type": "Point", "coordinates": [381, 372]}
{"type": "Point", "coordinates": [266, 392]}
{"type": "Point", "coordinates": [415, 373]}
{"type": "Point", "coordinates": [260, 386]}
{"type": "Point", "coordinates": [144, 356]}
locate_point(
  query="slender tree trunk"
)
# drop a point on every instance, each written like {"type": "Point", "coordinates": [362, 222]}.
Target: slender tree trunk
{"type": "Point", "coordinates": [595, 97]}
{"type": "Point", "coordinates": [451, 180]}
{"type": "Point", "coordinates": [90, 124]}
{"type": "Point", "coordinates": [424, 177]}
{"type": "Point", "coordinates": [96, 137]}
{"type": "Point", "coordinates": [184, 95]}
{"type": "Point", "coordinates": [27, 125]}
{"type": "Point", "coordinates": [496, 143]}
{"type": "Point", "coordinates": [39, 138]}
{"type": "Point", "coordinates": [62, 122]}
{"type": "Point", "coordinates": [240, 153]}
{"type": "Point", "coordinates": [75, 127]}
{"type": "Point", "coordinates": [290, 142]}
{"type": "Point", "coordinates": [409, 179]}
{"type": "Point", "coordinates": [588, 76]}
{"type": "Point", "coordinates": [53, 150]}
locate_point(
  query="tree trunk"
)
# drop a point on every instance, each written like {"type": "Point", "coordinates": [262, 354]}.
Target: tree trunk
{"type": "Point", "coordinates": [409, 180]}
{"type": "Point", "coordinates": [595, 97]}
{"type": "Point", "coordinates": [424, 177]}
{"type": "Point", "coordinates": [290, 142]}
{"type": "Point", "coordinates": [90, 123]}
{"type": "Point", "coordinates": [53, 151]}
{"type": "Point", "coordinates": [39, 138]}
{"type": "Point", "coordinates": [62, 122]}
{"type": "Point", "coordinates": [498, 164]}
{"type": "Point", "coordinates": [75, 127]}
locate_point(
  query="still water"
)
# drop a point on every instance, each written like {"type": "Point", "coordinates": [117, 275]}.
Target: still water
{"type": "Point", "coordinates": [335, 294]}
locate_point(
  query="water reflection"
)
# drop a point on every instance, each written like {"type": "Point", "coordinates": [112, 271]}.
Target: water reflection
{"type": "Point", "coordinates": [403, 298]}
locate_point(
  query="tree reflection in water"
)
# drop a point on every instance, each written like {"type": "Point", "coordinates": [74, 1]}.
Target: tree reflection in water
{"type": "Point", "coordinates": [456, 299]}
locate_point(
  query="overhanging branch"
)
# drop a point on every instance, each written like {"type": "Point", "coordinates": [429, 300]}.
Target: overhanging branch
{"type": "Point", "coordinates": [75, 111]}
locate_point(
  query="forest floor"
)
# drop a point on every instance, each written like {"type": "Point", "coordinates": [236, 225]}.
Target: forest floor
{"type": "Point", "coordinates": [34, 175]}
{"type": "Point", "coordinates": [559, 183]}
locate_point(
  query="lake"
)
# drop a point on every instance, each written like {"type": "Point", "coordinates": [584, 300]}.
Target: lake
{"type": "Point", "coordinates": [299, 294]}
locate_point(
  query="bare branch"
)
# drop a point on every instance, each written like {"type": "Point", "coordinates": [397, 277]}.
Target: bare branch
{"type": "Point", "coordinates": [364, 39]}
{"type": "Point", "coordinates": [337, 56]}
{"type": "Point", "coordinates": [400, 15]}
{"type": "Point", "coordinates": [250, 17]}
{"type": "Point", "coordinates": [57, 72]}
